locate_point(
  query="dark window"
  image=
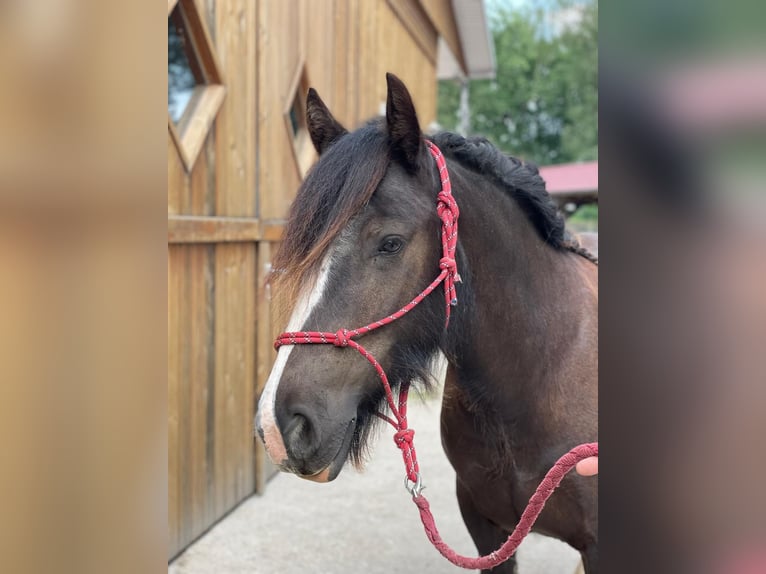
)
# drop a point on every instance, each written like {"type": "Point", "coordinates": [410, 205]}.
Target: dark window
{"type": "Point", "coordinates": [295, 118]}
{"type": "Point", "coordinates": [184, 73]}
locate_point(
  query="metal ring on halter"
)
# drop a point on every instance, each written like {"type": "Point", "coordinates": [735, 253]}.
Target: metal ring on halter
{"type": "Point", "coordinates": [416, 488]}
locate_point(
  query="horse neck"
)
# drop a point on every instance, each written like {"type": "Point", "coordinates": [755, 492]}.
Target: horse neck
{"type": "Point", "coordinates": [524, 301]}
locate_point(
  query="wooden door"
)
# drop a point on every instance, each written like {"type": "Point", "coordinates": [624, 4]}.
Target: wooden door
{"type": "Point", "coordinates": [218, 252]}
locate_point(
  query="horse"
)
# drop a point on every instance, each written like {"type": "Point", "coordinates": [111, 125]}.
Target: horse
{"type": "Point", "coordinates": [361, 239]}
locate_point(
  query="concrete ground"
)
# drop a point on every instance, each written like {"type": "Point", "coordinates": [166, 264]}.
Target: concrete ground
{"type": "Point", "coordinates": [358, 523]}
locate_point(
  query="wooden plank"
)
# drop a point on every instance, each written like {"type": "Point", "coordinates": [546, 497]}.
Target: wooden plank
{"type": "Point", "coordinates": [199, 182]}
{"type": "Point", "coordinates": [235, 262]}
{"type": "Point", "coordinates": [199, 340]}
{"type": "Point", "coordinates": [234, 372]}
{"type": "Point", "coordinates": [222, 384]}
{"type": "Point", "coordinates": [211, 167]}
{"type": "Point", "coordinates": [176, 176]}
{"type": "Point", "coordinates": [190, 346]}
{"type": "Point", "coordinates": [210, 486]}
{"type": "Point", "coordinates": [207, 229]}
{"type": "Point", "coordinates": [235, 149]}
{"type": "Point", "coordinates": [174, 275]}
{"type": "Point", "coordinates": [369, 94]}
{"type": "Point", "coordinates": [197, 120]}
{"type": "Point", "coordinates": [207, 8]}
{"type": "Point", "coordinates": [415, 19]}
{"type": "Point", "coordinates": [273, 229]}
{"type": "Point", "coordinates": [193, 366]}
{"type": "Point", "coordinates": [404, 58]}
{"type": "Point", "coordinates": [278, 54]}
{"type": "Point", "coordinates": [176, 139]}
{"type": "Point", "coordinates": [201, 42]}
{"type": "Point", "coordinates": [340, 103]}
{"type": "Point", "coordinates": [212, 229]}
{"type": "Point", "coordinates": [186, 502]}
{"type": "Point", "coordinates": [352, 64]}
{"type": "Point", "coordinates": [319, 52]}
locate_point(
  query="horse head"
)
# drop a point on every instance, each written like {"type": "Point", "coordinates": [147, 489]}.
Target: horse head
{"type": "Point", "coordinates": [362, 239]}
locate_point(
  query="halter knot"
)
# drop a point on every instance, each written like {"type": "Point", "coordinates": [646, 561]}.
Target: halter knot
{"type": "Point", "coordinates": [449, 264]}
{"type": "Point", "coordinates": [446, 208]}
{"type": "Point", "coordinates": [403, 438]}
{"type": "Point", "coordinates": [341, 338]}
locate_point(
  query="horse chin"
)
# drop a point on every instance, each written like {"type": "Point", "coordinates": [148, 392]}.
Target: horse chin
{"type": "Point", "coordinates": [325, 475]}
{"type": "Point", "coordinates": [332, 470]}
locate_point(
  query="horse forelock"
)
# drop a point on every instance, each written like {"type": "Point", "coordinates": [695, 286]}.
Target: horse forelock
{"type": "Point", "coordinates": [334, 191]}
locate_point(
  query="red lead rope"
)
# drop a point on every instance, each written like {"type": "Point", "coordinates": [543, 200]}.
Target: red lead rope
{"type": "Point", "coordinates": [448, 212]}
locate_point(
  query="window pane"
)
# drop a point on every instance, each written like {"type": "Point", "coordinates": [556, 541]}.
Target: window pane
{"type": "Point", "coordinates": [181, 77]}
{"type": "Point", "coordinates": [294, 119]}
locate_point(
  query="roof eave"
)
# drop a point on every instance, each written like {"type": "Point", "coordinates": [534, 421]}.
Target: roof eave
{"type": "Point", "coordinates": [478, 50]}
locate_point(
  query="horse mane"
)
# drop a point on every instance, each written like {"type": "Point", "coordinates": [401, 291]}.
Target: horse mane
{"type": "Point", "coordinates": [521, 180]}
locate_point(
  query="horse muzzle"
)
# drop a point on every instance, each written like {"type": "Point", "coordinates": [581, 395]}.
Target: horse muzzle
{"type": "Point", "coordinates": [298, 443]}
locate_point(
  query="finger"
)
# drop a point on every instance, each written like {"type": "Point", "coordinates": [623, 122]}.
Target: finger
{"type": "Point", "coordinates": [587, 466]}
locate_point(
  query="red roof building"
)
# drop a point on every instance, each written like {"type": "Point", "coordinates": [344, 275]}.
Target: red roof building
{"type": "Point", "coordinates": [575, 183]}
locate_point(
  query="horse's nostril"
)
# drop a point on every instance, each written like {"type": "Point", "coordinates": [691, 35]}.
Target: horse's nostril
{"type": "Point", "coordinates": [300, 436]}
{"type": "Point", "coordinates": [297, 425]}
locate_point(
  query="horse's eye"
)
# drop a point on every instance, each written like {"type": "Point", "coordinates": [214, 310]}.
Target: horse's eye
{"type": "Point", "coordinates": [390, 245]}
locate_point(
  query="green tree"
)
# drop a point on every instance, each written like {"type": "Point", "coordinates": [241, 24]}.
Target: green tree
{"type": "Point", "coordinates": [543, 104]}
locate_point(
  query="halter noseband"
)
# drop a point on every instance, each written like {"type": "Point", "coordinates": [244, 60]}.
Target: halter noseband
{"type": "Point", "coordinates": [448, 212]}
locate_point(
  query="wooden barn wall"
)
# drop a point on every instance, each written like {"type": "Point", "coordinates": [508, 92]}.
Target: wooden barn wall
{"type": "Point", "coordinates": [225, 216]}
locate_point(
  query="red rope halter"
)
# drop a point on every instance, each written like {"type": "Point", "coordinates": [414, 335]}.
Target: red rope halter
{"type": "Point", "coordinates": [448, 212]}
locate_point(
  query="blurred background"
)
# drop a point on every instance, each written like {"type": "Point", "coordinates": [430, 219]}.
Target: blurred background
{"type": "Point", "coordinates": [542, 103]}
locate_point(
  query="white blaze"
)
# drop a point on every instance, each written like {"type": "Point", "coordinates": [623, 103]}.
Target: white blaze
{"type": "Point", "coordinates": [266, 420]}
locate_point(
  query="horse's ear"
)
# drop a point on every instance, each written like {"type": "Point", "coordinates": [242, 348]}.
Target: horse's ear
{"type": "Point", "coordinates": [323, 128]}
{"type": "Point", "coordinates": [403, 128]}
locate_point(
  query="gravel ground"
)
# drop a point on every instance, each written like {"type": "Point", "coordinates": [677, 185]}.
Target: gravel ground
{"type": "Point", "coordinates": [357, 523]}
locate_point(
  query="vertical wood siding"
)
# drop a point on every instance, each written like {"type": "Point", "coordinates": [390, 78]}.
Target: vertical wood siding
{"type": "Point", "coordinates": [220, 325]}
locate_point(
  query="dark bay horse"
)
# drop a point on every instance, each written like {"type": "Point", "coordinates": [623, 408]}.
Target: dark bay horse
{"type": "Point", "coordinates": [521, 387]}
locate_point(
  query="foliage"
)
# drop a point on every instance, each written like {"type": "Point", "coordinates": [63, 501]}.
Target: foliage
{"type": "Point", "coordinates": [584, 219]}
{"type": "Point", "coordinates": [543, 104]}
